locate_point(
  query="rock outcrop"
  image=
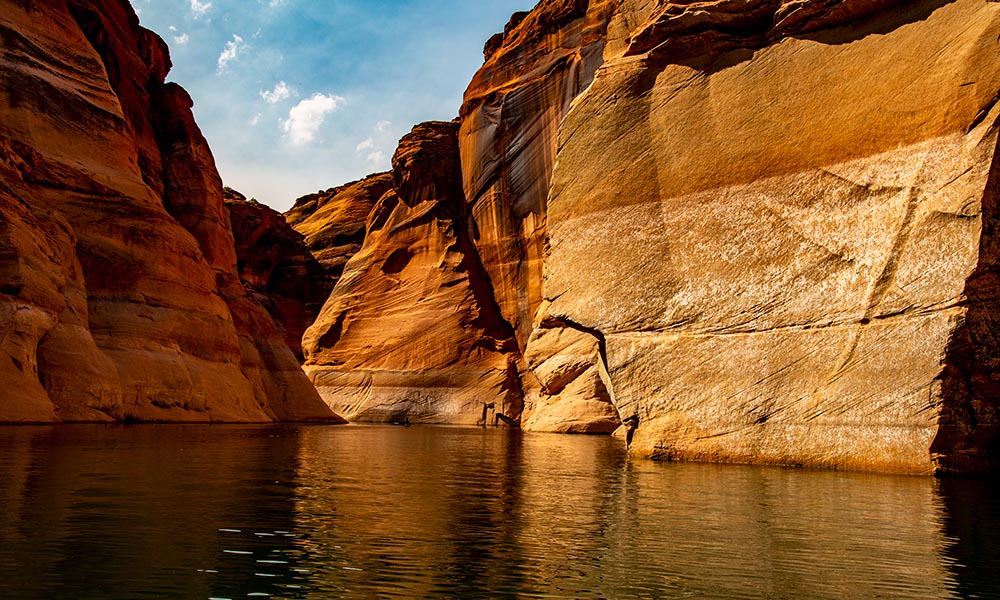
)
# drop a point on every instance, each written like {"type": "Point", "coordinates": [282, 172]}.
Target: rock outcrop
{"type": "Point", "coordinates": [411, 332]}
{"type": "Point", "coordinates": [120, 293]}
{"type": "Point", "coordinates": [333, 222]}
{"type": "Point", "coordinates": [780, 218]}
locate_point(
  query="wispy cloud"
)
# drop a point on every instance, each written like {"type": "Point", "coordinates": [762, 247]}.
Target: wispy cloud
{"type": "Point", "coordinates": [200, 9]}
{"type": "Point", "coordinates": [373, 148]}
{"type": "Point", "coordinates": [306, 117]}
{"type": "Point", "coordinates": [280, 92]}
{"type": "Point", "coordinates": [231, 52]}
{"type": "Point", "coordinates": [181, 39]}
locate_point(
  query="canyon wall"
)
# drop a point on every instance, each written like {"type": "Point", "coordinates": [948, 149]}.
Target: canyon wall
{"type": "Point", "coordinates": [756, 231]}
{"type": "Point", "coordinates": [780, 217]}
{"type": "Point", "coordinates": [411, 332]}
{"type": "Point", "coordinates": [120, 297]}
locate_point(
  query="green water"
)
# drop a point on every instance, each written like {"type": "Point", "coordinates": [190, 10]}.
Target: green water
{"type": "Point", "coordinates": [383, 512]}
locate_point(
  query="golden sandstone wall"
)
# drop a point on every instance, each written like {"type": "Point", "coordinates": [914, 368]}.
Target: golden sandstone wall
{"type": "Point", "coordinates": [753, 231]}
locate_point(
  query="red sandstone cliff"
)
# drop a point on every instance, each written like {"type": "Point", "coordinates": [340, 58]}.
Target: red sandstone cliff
{"type": "Point", "coordinates": [120, 293]}
{"type": "Point", "coordinates": [277, 267]}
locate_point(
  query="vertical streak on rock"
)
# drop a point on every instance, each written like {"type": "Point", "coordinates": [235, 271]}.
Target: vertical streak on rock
{"type": "Point", "coordinates": [510, 121]}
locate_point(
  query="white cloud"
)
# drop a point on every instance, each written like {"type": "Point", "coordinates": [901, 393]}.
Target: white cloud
{"type": "Point", "coordinates": [377, 158]}
{"type": "Point", "coordinates": [306, 117]}
{"type": "Point", "coordinates": [383, 126]}
{"type": "Point", "coordinates": [181, 39]}
{"type": "Point", "coordinates": [231, 52]}
{"type": "Point", "coordinates": [200, 8]}
{"type": "Point", "coordinates": [256, 119]}
{"type": "Point", "coordinates": [368, 144]}
{"type": "Point", "coordinates": [280, 92]}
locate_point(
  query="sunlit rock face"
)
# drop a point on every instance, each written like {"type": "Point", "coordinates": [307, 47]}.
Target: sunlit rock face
{"type": "Point", "coordinates": [411, 331]}
{"type": "Point", "coordinates": [120, 294]}
{"type": "Point", "coordinates": [333, 222]}
{"type": "Point", "coordinates": [779, 218]}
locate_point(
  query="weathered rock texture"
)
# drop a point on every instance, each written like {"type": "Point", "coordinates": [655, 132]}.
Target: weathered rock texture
{"type": "Point", "coordinates": [754, 231]}
{"type": "Point", "coordinates": [780, 217]}
{"type": "Point", "coordinates": [119, 292]}
{"type": "Point", "coordinates": [411, 331]}
{"type": "Point", "coordinates": [277, 268]}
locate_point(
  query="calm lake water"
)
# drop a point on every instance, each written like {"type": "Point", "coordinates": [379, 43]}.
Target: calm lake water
{"type": "Point", "coordinates": [382, 512]}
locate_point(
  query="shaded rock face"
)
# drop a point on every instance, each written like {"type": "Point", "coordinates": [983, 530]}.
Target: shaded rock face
{"type": "Point", "coordinates": [780, 217]}
{"type": "Point", "coordinates": [278, 269]}
{"type": "Point", "coordinates": [120, 295]}
{"type": "Point", "coordinates": [411, 331]}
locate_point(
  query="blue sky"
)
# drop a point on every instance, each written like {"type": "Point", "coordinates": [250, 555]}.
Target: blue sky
{"type": "Point", "coordinates": [300, 95]}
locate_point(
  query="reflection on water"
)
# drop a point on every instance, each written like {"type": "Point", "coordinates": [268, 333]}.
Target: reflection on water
{"type": "Point", "coordinates": [319, 512]}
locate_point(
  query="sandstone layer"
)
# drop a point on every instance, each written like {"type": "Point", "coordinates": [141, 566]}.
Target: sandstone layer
{"type": "Point", "coordinates": [780, 217]}
{"type": "Point", "coordinates": [411, 332]}
{"type": "Point", "coordinates": [120, 297]}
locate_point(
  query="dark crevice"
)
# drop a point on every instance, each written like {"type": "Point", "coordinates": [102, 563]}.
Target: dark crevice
{"type": "Point", "coordinates": [968, 436]}
{"type": "Point", "coordinates": [334, 333]}
{"type": "Point", "coordinates": [602, 349]}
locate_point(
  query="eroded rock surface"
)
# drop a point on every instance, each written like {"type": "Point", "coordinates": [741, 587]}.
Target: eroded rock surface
{"type": "Point", "coordinates": [510, 119]}
{"type": "Point", "coordinates": [780, 216]}
{"type": "Point", "coordinates": [120, 293]}
{"type": "Point", "coordinates": [411, 331]}
{"type": "Point", "coordinates": [333, 222]}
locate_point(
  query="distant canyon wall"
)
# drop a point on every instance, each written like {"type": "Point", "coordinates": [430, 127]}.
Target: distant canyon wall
{"type": "Point", "coordinates": [750, 231]}
{"type": "Point", "coordinates": [119, 293]}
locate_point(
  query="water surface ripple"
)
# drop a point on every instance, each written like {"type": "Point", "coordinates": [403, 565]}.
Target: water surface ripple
{"type": "Point", "coordinates": [383, 512]}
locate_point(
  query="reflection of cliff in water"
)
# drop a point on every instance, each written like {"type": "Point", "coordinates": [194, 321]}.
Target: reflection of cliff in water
{"type": "Point", "coordinates": [429, 511]}
{"type": "Point", "coordinates": [972, 526]}
{"type": "Point", "coordinates": [197, 512]}
{"type": "Point", "coordinates": [123, 512]}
